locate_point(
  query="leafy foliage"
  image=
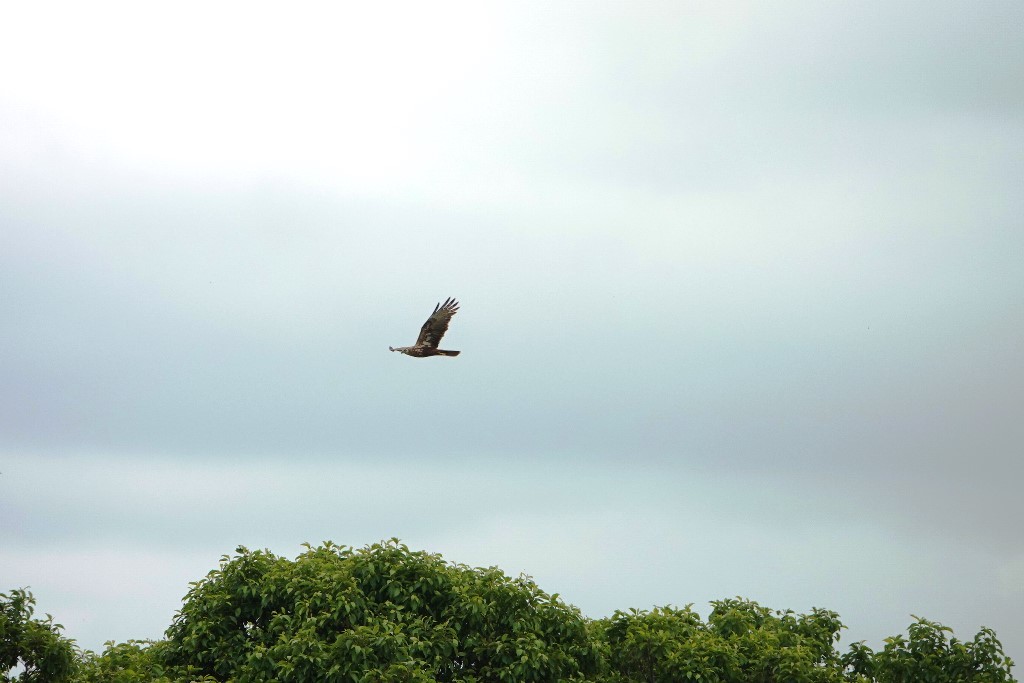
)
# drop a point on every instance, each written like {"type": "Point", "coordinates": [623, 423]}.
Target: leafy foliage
{"type": "Point", "coordinates": [741, 641]}
{"type": "Point", "coordinates": [931, 655]}
{"type": "Point", "coordinates": [35, 644]}
{"type": "Point", "coordinates": [383, 613]}
{"type": "Point", "coordinates": [386, 614]}
{"type": "Point", "coordinates": [136, 661]}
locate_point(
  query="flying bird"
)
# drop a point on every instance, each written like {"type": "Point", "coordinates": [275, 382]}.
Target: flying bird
{"type": "Point", "coordinates": [432, 331]}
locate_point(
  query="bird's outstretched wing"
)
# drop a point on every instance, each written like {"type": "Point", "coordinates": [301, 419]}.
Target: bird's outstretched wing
{"type": "Point", "coordinates": [437, 323]}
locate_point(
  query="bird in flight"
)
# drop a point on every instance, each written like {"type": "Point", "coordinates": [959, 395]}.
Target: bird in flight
{"type": "Point", "coordinates": [432, 331]}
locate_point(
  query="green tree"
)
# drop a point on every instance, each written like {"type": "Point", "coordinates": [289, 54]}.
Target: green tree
{"type": "Point", "coordinates": [385, 614]}
{"type": "Point", "coordinates": [136, 661]}
{"type": "Point", "coordinates": [931, 655]}
{"type": "Point", "coordinates": [741, 642]}
{"type": "Point", "coordinates": [37, 645]}
{"type": "Point", "coordinates": [381, 613]}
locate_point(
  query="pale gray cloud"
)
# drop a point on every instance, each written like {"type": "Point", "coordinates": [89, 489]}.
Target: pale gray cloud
{"type": "Point", "coordinates": [741, 300]}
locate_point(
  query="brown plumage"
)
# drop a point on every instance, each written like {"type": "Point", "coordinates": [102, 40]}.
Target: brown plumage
{"type": "Point", "coordinates": [432, 331]}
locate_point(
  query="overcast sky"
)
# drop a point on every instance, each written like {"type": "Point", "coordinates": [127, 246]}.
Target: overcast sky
{"type": "Point", "coordinates": [742, 299]}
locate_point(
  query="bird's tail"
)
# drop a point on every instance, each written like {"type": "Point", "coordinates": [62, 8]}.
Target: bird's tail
{"type": "Point", "coordinates": [442, 352]}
